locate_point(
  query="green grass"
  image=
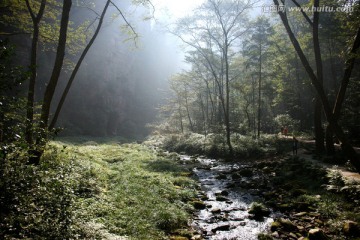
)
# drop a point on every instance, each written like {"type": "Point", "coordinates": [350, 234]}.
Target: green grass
{"type": "Point", "coordinates": [137, 192]}
{"type": "Point", "coordinates": [111, 191]}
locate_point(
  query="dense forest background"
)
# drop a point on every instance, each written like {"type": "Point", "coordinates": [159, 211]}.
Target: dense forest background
{"type": "Point", "coordinates": [121, 81]}
{"type": "Point", "coordinates": [241, 72]}
{"type": "Point", "coordinates": [117, 122]}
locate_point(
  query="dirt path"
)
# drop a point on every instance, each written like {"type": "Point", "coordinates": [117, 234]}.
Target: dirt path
{"type": "Point", "coordinates": [348, 175]}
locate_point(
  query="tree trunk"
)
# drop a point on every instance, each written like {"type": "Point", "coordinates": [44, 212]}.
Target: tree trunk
{"type": "Point", "coordinates": [319, 131]}
{"type": "Point", "coordinates": [227, 109]}
{"type": "Point", "coordinates": [59, 60]}
{"type": "Point", "coordinates": [77, 67]}
{"type": "Point", "coordinates": [33, 70]}
{"type": "Point", "coordinates": [331, 117]}
{"type": "Point", "coordinates": [329, 137]}
{"type": "Point", "coordinates": [259, 97]}
{"type": "Point", "coordinates": [50, 89]}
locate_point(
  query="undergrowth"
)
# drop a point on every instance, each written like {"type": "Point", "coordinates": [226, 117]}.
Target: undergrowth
{"type": "Point", "coordinates": [214, 145]}
{"type": "Point", "coordinates": [94, 191]}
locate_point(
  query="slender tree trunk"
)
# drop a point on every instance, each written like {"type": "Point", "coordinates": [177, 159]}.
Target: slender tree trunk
{"type": "Point", "coordinates": [59, 60]}
{"type": "Point", "coordinates": [318, 128]}
{"type": "Point", "coordinates": [259, 93]}
{"type": "Point", "coordinates": [330, 115]}
{"type": "Point", "coordinates": [180, 116]}
{"type": "Point", "coordinates": [77, 67]}
{"type": "Point", "coordinates": [329, 138]}
{"type": "Point", "coordinates": [187, 111]}
{"type": "Point", "coordinates": [33, 70]}
{"type": "Point", "coordinates": [50, 89]}
{"type": "Point", "coordinates": [319, 131]}
{"type": "Point", "coordinates": [227, 109]}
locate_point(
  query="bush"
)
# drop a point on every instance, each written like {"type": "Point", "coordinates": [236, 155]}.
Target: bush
{"type": "Point", "coordinates": [35, 201]}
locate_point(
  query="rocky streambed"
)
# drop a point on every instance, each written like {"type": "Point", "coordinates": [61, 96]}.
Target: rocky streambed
{"type": "Point", "coordinates": [282, 197]}
{"type": "Point", "coordinates": [228, 192]}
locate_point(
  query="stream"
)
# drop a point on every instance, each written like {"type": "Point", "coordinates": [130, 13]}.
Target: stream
{"type": "Point", "coordinates": [228, 189]}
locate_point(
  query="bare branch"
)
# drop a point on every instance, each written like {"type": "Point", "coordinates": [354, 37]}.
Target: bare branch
{"type": "Point", "coordinates": [126, 21]}
{"type": "Point", "coordinates": [303, 13]}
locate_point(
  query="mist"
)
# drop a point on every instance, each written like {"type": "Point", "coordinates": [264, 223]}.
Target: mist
{"type": "Point", "coordinates": [124, 77]}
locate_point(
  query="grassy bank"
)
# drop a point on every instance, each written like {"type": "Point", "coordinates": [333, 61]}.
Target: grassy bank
{"type": "Point", "coordinates": [94, 191]}
{"type": "Point", "coordinates": [214, 145]}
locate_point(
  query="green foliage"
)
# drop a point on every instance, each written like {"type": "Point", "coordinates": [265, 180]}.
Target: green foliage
{"type": "Point", "coordinates": [93, 191]}
{"type": "Point", "coordinates": [285, 120]}
{"type": "Point", "coordinates": [11, 106]}
{"type": "Point", "coordinates": [214, 145]}
{"type": "Point", "coordinates": [36, 201]}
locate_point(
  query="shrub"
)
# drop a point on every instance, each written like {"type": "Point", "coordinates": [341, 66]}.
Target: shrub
{"type": "Point", "coordinates": [35, 201]}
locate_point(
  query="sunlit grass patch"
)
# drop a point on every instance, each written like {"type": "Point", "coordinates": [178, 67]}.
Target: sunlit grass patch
{"type": "Point", "coordinates": [129, 190]}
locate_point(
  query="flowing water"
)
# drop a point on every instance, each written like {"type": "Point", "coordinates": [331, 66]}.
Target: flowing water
{"type": "Point", "coordinates": [227, 201]}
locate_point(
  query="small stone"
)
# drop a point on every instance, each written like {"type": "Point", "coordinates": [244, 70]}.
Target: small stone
{"type": "Point", "coordinates": [224, 227]}
{"type": "Point", "coordinates": [275, 234]}
{"type": "Point", "coordinates": [293, 235]}
{"type": "Point", "coordinates": [221, 198]}
{"type": "Point", "coordinates": [224, 193]}
{"type": "Point", "coordinates": [196, 237]}
{"type": "Point", "coordinates": [317, 234]}
{"type": "Point", "coordinates": [216, 210]}
{"type": "Point", "coordinates": [300, 214]}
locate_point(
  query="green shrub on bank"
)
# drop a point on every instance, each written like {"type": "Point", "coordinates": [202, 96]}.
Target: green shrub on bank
{"type": "Point", "coordinates": [214, 145]}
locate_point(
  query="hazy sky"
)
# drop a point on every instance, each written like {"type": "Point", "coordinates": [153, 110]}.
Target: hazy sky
{"type": "Point", "coordinates": [174, 8]}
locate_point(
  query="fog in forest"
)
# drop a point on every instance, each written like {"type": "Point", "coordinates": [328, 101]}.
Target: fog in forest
{"type": "Point", "coordinates": [124, 77]}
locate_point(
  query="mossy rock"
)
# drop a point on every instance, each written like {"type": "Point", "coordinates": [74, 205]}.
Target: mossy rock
{"type": "Point", "coordinates": [275, 226]}
{"type": "Point", "coordinates": [287, 224]}
{"type": "Point", "coordinates": [259, 210]}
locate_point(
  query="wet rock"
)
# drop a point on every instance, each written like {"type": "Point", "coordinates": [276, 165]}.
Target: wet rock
{"type": "Point", "coordinates": [221, 176]}
{"type": "Point", "coordinates": [224, 193]}
{"type": "Point", "coordinates": [236, 176]}
{"type": "Point", "coordinates": [287, 224]}
{"type": "Point", "coordinates": [223, 227]}
{"type": "Point", "coordinates": [231, 185]}
{"type": "Point", "coordinates": [275, 226]}
{"type": "Point", "coordinates": [221, 198]}
{"type": "Point", "coordinates": [247, 172]}
{"type": "Point", "coordinates": [196, 237]}
{"type": "Point", "coordinates": [216, 210]}
{"type": "Point", "coordinates": [199, 205]}
{"type": "Point", "coordinates": [293, 235]}
{"type": "Point", "coordinates": [275, 234]}
{"type": "Point", "coordinates": [300, 214]}
{"type": "Point", "coordinates": [317, 234]}
{"type": "Point", "coordinates": [351, 228]}
{"type": "Point", "coordinates": [284, 207]}
{"type": "Point", "coordinates": [259, 210]}
{"type": "Point", "coordinates": [178, 238]}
